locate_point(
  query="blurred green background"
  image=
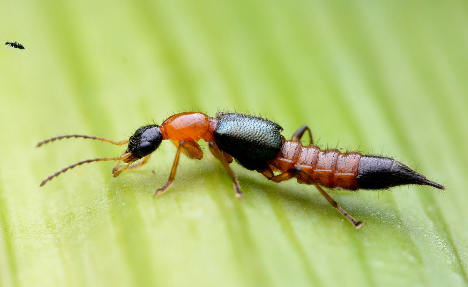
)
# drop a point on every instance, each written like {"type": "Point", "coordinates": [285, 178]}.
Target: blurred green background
{"type": "Point", "coordinates": [382, 77]}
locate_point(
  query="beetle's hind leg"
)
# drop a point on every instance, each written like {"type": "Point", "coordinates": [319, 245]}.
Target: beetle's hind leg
{"type": "Point", "coordinates": [299, 171]}
{"type": "Point", "coordinates": [357, 224]}
{"type": "Point", "coordinates": [300, 132]}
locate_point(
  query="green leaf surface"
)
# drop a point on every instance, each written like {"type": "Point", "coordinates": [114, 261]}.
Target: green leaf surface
{"type": "Point", "coordinates": [381, 77]}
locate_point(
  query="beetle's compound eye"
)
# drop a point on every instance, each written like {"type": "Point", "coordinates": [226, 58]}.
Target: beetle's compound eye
{"type": "Point", "coordinates": [144, 141]}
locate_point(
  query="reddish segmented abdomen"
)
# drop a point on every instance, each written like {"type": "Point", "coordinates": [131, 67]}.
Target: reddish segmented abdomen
{"type": "Point", "coordinates": [329, 168]}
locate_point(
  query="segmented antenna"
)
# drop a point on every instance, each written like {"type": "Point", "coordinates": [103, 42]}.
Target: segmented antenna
{"type": "Point", "coordinates": [81, 136]}
{"type": "Point", "coordinates": [122, 157]}
{"type": "Point", "coordinates": [119, 143]}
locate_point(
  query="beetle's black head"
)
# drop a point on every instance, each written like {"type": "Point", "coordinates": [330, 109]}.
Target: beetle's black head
{"type": "Point", "coordinates": [144, 141]}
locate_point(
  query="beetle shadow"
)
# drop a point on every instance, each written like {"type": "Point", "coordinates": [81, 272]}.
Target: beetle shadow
{"type": "Point", "coordinates": [290, 195]}
{"type": "Point", "coordinates": [307, 200]}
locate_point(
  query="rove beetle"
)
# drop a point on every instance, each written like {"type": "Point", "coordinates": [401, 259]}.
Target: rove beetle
{"type": "Point", "coordinates": [257, 144]}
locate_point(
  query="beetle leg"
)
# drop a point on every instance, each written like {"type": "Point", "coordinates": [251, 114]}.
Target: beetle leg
{"type": "Point", "coordinates": [227, 156]}
{"type": "Point", "coordinates": [173, 170]}
{"type": "Point", "coordinates": [222, 158]}
{"type": "Point", "coordinates": [267, 172]}
{"type": "Point", "coordinates": [190, 149]}
{"type": "Point", "coordinates": [295, 172]}
{"type": "Point", "coordinates": [300, 132]}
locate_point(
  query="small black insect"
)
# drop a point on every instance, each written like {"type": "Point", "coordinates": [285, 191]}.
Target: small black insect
{"type": "Point", "coordinates": [15, 45]}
